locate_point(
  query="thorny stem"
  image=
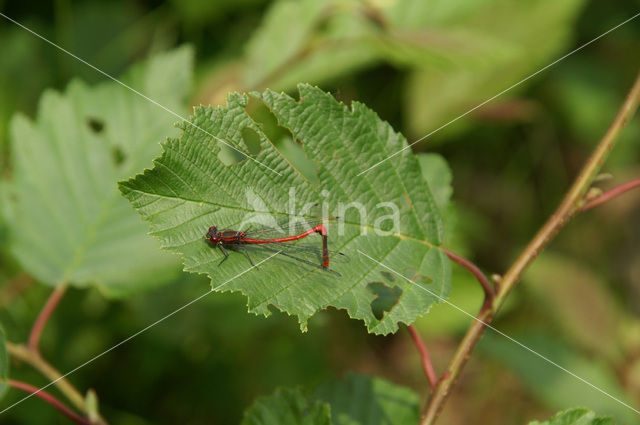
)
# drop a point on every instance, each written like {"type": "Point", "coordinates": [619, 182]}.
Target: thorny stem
{"type": "Point", "coordinates": [49, 399]}
{"type": "Point", "coordinates": [427, 366]}
{"type": "Point", "coordinates": [45, 314]}
{"type": "Point", "coordinates": [570, 204]}
{"type": "Point", "coordinates": [610, 194]}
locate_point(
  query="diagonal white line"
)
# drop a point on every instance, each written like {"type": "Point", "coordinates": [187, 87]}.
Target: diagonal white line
{"type": "Point", "coordinates": [502, 92]}
{"type": "Point", "coordinates": [136, 334]}
{"type": "Point", "coordinates": [503, 334]}
{"type": "Point", "coordinates": [137, 92]}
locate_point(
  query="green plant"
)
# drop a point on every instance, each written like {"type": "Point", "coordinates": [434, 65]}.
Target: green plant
{"type": "Point", "coordinates": [67, 222]}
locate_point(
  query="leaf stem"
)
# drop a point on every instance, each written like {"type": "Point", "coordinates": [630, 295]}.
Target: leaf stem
{"type": "Point", "coordinates": [610, 194]}
{"type": "Point", "coordinates": [427, 366]}
{"type": "Point", "coordinates": [489, 290]}
{"type": "Point", "coordinates": [565, 211]}
{"type": "Point", "coordinates": [35, 359]}
{"type": "Point", "coordinates": [49, 399]}
{"type": "Point", "coordinates": [45, 314]}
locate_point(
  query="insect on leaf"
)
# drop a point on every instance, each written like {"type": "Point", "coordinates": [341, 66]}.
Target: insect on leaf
{"type": "Point", "coordinates": [388, 213]}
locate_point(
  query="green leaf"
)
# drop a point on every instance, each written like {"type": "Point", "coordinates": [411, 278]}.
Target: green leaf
{"type": "Point", "coordinates": [67, 222]}
{"type": "Point", "coordinates": [576, 416]}
{"type": "Point", "coordinates": [436, 171]}
{"type": "Point", "coordinates": [591, 320]}
{"type": "Point", "coordinates": [4, 364]}
{"type": "Point", "coordinates": [459, 53]}
{"type": "Point", "coordinates": [367, 400]}
{"type": "Point", "coordinates": [309, 40]}
{"type": "Point", "coordinates": [287, 406]}
{"type": "Point", "coordinates": [553, 386]}
{"type": "Point", "coordinates": [473, 50]}
{"type": "Point", "coordinates": [190, 189]}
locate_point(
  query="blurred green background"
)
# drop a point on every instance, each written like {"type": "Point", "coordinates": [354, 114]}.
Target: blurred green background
{"type": "Point", "coordinates": [419, 65]}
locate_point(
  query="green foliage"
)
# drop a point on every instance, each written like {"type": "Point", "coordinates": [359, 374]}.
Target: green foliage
{"type": "Point", "coordinates": [478, 49]}
{"type": "Point", "coordinates": [591, 320]}
{"type": "Point", "coordinates": [576, 416]}
{"type": "Point", "coordinates": [66, 220]}
{"type": "Point", "coordinates": [190, 189]}
{"type": "Point", "coordinates": [555, 387]}
{"type": "Point", "coordinates": [297, 39]}
{"type": "Point", "coordinates": [436, 171]}
{"type": "Point", "coordinates": [353, 400]}
{"type": "Point", "coordinates": [367, 400]}
{"type": "Point", "coordinates": [454, 49]}
{"type": "Point", "coordinates": [4, 364]}
{"type": "Point", "coordinates": [287, 406]}
{"type": "Point", "coordinates": [418, 64]}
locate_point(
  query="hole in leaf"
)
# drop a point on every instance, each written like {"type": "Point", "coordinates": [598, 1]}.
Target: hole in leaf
{"type": "Point", "coordinates": [281, 137]}
{"type": "Point", "coordinates": [388, 275]}
{"type": "Point", "coordinates": [251, 140]}
{"type": "Point", "coordinates": [96, 125]}
{"type": "Point", "coordinates": [117, 155]}
{"type": "Point", "coordinates": [414, 276]}
{"type": "Point", "coordinates": [386, 298]}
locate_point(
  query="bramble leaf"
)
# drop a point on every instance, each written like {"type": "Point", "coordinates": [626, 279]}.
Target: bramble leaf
{"type": "Point", "coordinates": [367, 400]}
{"type": "Point", "coordinates": [287, 406]}
{"type": "Point", "coordinates": [576, 416]}
{"type": "Point", "coordinates": [67, 222]}
{"type": "Point", "coordinates": [190, 189]}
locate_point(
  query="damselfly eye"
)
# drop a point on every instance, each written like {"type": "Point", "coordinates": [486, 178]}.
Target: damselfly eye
{"type": "Point", "coordinates": [212, 233]}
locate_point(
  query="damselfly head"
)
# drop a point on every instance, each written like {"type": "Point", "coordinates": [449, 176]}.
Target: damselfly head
{"type": "Point", "coordinates": [212, 234]}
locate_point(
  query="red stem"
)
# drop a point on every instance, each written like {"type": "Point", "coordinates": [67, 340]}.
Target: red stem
{"type": "Point", "coordinates": [425, 357]}
{"type": "Point", "coordinates": [49, 399]}
{"type": "Point", "coordinates": [45, 314]}
{"type": "Point", "coordinates": [610, 194]}
{"type": "Point", "coordinates": [489, 290]}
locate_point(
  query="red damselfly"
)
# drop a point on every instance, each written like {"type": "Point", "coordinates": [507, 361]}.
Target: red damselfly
{"type": "Point", "coordinates": [276, 240]}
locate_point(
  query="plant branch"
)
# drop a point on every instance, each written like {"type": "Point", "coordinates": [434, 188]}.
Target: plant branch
{"type": "Point", "coordinates": [570, 204]}
{"type": "Point", "coordinates": [610, 194]}
{"type": "Point", "coordinates": [45, 314]}
{"type": "Point", "coordinates": [34, 359]}
{"type": "Point", "coordinates": [49, 399]}
{"type": "Point", "coordinates": [427, 366]}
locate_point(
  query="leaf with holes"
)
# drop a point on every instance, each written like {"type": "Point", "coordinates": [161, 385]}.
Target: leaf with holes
{"type": "Point", "coordinates": [390, 223]}
{"type": "Point", "coordinates": [66, 220]}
